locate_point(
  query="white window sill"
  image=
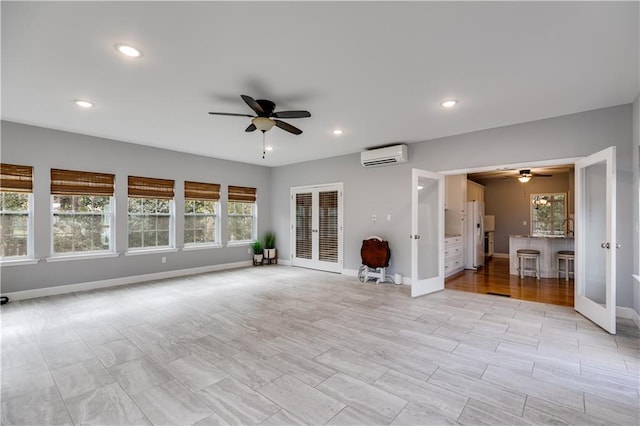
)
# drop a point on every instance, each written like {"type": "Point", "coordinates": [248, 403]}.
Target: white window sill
{"type": "Point", "coordinates": [65, 258]}
{"type": "Point", "coordinates": [238, 243]}
{"type": "Point", "coordinates": [18, 262]}
{"type": "Point", "coordinates": [150, 251]}
{"type": "Point", "coordinates": [201, 247]}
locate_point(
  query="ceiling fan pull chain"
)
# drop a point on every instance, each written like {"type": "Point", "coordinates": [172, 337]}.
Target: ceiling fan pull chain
{"type": "Point", "coordinates": [264, 151]}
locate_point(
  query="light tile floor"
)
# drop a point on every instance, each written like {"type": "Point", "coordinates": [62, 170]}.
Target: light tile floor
{"type": "Point", "coordinates": [279, 345]}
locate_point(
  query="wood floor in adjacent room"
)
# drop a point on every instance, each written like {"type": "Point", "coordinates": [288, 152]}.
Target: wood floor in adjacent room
{"type": "Point", "coordinates": [277, 345]}
{"type": "Point", "coordinates": [494, 278]}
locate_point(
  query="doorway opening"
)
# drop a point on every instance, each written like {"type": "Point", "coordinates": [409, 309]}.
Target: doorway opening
{"type": "Point", "coordinates": [516, 202]}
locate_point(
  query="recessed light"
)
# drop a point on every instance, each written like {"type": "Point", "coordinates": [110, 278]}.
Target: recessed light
{"type": "Point", "coordinates": [337, 132]}
{"type": "Point", "coordinates": [449, 104]}
{"type": "Point", "coordinates": [269, 148]}
{"type": "Point", "coordinates": [83, 104]}
{"type": "Point", "coordinates": [127, 50]}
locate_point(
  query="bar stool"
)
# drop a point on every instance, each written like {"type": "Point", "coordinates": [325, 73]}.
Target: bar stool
{"type": "Point", "coordinates": [528, 254]}
{"type": "Point", "coordinates": [569, 263]}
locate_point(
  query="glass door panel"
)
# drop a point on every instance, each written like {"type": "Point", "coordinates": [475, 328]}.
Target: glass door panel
{"type": "Point", "coordinates": [427, 251]}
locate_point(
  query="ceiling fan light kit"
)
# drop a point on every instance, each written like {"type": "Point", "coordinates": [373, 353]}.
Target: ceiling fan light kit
{"type": "Point", "coordinates": [525, 176]}
{"type": "Point", "coordinates": [266, 118]}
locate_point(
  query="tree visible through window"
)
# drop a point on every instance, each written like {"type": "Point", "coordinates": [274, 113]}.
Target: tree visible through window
{"type": "Point", "coordinates": [81, 223]}
{"type": "Point", "coordinates": [241, 220]}
{"type": "Point", "coordinates": [548, 213]}
{"type": "Point", "coordinates": [14, 224]}
{"type": "Point", "coordinates": [200, 225]}
{"type": "Point", "coordinates": [149, 222]}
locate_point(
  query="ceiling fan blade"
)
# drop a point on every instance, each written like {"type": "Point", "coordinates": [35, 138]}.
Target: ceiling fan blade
{"type": "Point", "coordinates": [232, 114]}
{"type": "Point", "coordinates": [539, 175]}
{"type": "Point", "coordinates": [288, 127]}
{"type": "Point", "coordinates": [291, 114]}
{"type": "Point", "coordinates": [251, 128]}
{"type": "Point", "coordinates": [253, 104]}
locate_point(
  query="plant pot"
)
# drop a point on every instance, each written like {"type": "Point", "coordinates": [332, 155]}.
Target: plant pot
{"type": "Point", "coordinates": [257, 258]}
{"type": "Point", "coordinates": [270, 253]}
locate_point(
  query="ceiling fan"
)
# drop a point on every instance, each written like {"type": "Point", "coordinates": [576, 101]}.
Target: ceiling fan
{"type": "Point", "coordinates": [526, 175]}
{"type": "Point", "coordinates": [266, 118]}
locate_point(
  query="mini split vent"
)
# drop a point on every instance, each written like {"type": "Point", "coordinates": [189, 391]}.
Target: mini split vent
{"type": "Point", "coordinates": [384, 156]}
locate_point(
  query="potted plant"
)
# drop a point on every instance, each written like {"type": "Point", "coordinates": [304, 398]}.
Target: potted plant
{"type": "Point", "coordinates": [270, 245]}
{"type": "Point", "coordinates": [257, 252]}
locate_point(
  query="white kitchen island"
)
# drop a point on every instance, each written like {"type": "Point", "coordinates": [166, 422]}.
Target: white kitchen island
{"type": "Point", "coordinates": [548, 247]}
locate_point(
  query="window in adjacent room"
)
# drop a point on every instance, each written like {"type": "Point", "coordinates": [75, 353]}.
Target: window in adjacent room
{"type": "Point", "coordinates": [242, 214]}
{"type": "Point", "coordinates": [16, 201]}
{"type": "Point", "coordinates": [151, 218]}
{"type": "Point", "coordinates": [548, 214]}
{"type": "Point", "coordinates": [82, 206]}
{"type": "Point", "coordinates": [201, 207]}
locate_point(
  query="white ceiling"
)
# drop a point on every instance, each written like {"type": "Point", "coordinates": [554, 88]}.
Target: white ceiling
{"type": "Point", "coordinates": [377, 70]}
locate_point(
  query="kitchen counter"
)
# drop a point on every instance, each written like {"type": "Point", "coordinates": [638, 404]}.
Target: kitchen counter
{"type": "Point", "coordinates": [548, 247]}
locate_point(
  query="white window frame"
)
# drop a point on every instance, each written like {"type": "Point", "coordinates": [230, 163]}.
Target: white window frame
{"type": "Point", "coordinates": [172, 230]}
{"type": "Point", "coordinates": [216, 215]}
{"type": "Point", "coordinates": [112, 233]}
{"type": "Point", "coordinates": [29, 255]}
{"type": "Point", "coordinates": [546, 194]}
{"type": "Point", "coordinates": [254, 227]}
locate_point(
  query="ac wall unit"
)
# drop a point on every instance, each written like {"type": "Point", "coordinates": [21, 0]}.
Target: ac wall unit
{"type": "Point", "coordinates": [383, 156]}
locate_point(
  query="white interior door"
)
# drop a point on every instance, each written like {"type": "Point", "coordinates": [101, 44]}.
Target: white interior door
{"type": "Point", "coordinates": [427, 232]}
{"type": "Point", "coordinates": [316, 227]}
{"type": "Point", "coordinates": [595, 242]}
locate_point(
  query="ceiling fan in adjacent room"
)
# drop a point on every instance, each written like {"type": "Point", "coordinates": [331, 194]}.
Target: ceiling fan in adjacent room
{"type": "Point", "coordinates": [526, 175]}
{"type": "Point", "coordinates": [266, 118]}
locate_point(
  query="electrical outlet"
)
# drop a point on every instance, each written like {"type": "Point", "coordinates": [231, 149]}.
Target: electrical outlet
{"type": "Point", "coordinates": [164, 259]}
{"type": "Point", "coordinates": [249, 251]}
{"type": "Point", "coordinates": [373, 218]}
{"type": "Point", "coordinates": [524, 223]}
{"type": "Point", "coordinates": [389, 218]}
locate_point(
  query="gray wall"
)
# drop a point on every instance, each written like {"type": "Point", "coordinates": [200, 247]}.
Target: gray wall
{"type": "Point", "coordinates": [387, 189]}
{"type": "Point", "coordinates": [510, 202]}
{"type": "Point", "coordinates": [45, 149]}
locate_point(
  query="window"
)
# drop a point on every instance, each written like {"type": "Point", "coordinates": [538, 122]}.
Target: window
{"type": "Point", "coordinates": [81, 204]}
{"type": "Point", "coordinates": [242, 214]}
{"type": "Point", "coordinates": [151, 216]}
{"type": "Point", "coordinates": [201, 206]}
{"type": "Point", "coordinates": [16, 185]}
{"type": "Point", "coordinates": [548, 214]}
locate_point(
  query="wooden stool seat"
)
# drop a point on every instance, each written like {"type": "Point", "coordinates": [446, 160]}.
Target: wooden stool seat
{"type": "Point", "coordinates": [568, 258]}
{"type": "Point", "coordinates": [528, 254]}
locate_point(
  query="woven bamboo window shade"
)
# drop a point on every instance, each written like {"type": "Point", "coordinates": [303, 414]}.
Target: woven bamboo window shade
{"type": "Point", "coordinates": [143, 187]}
{"type": "Point", "coordinates": [201, 191]}
{"type": "Point", "coordinates": [15, 178]}
{"type": "Point", "coordinates": [72, 182]}
{"type": "Point", "coordinates": [242, 194]}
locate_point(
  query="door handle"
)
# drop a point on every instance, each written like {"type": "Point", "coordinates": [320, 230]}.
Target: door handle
{"type": "Point", "coordinates": [618, 246]}
{"type": "Point", "coordinates": [417, 237]}
{"type": "Point", "coordinates": [605, 245]}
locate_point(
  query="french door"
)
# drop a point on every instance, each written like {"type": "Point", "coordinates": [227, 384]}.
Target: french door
{"type": "Point", "coordinates": [316, 227]}
{"type": "Point", "coordinates": [427, 232]}
{"type": "Point", "coordinates": [595, 242]}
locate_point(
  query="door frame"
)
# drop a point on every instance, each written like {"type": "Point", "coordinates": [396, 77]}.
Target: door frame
{"type": "Point", "coordinates": [339, 186]}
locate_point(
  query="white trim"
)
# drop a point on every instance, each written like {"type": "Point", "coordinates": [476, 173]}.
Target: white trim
{"type": "Point", "coordinates": [150, 251]}
{"type": "Point", "coordinates": [63, 258]}
{"type": "Point", "coordinates": [501, 255]}
{"type": "Point", "coordinates": [18, 262]}
{"type": "Point", "coordinates": [284, 262]}
{"type": "Point", "coordinates": [201, 247]}
{"type": "Point", "coordinates": [349, 272]}
{"type": "Point", "coordinates": [637, 278]}
{"type": "Point", "coordinates": [71, 288]}
{"type": "Point", "coordinates": [528, 165]}
{"type": "Point", "coordinates": [630, 313]}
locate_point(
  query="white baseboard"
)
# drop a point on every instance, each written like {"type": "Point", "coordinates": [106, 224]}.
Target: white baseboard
{"type": "Point", "coordinates": [630, 313]}
{"type": "Point", "coordinates": [284, 262]}
{"type": "Point", "coordinates": [501, 255]}
{"type": "Point", "coordinates": [354, 273]}
{"type": "Point", "coordinates": [92, 285]}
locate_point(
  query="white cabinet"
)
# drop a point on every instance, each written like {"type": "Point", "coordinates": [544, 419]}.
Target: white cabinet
{"type": "Point", "coordinates": [454, 204]}
{"type": "Point", "coordinates": [453, 255]}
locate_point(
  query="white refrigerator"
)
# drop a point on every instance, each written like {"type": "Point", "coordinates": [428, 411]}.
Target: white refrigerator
{"type": "Point", "coordinates": [474, 236]}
